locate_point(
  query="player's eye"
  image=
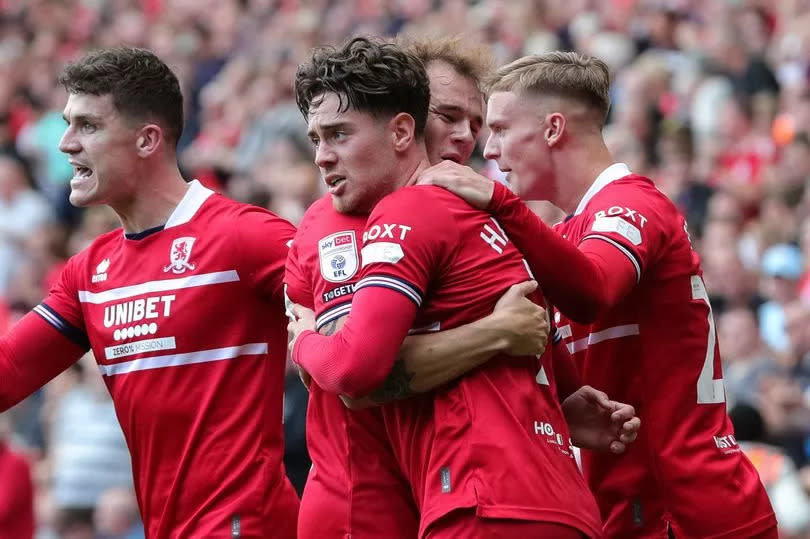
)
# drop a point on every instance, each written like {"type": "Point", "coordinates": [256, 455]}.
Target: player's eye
{"type": "Point", "coordinates": [87, 127]}
{"type": "Point", "coordinates": [339, 135]}
{"type": "Point", "coordinates": [314, 142]}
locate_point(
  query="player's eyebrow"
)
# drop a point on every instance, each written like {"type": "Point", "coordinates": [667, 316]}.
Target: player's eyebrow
{"type": "Point", "coordinates": [328, 127]}
{"type": "Point", "coordinates": [92, 118]}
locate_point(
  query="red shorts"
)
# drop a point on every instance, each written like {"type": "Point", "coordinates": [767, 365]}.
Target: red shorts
{"type": "Point", "coordinates": [465, 523]}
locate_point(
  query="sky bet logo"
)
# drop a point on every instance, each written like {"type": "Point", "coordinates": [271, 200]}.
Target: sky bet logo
{"type": "Point", "coordinates": [338, 256]}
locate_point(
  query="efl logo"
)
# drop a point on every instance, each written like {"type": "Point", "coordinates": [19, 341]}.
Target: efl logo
{"type": "Point", "coordinates": [338, 256]}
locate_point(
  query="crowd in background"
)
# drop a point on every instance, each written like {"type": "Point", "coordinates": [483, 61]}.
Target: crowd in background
{"type": "Point", "coordinates": [711, 99]}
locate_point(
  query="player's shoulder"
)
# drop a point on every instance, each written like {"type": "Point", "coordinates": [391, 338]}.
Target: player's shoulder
{"type": "Point", "coordinates": [419, 200]}
{"type": "Point", "coordinates": [242, 218]}
{"type": "Point", "coordinates": [633, 188]}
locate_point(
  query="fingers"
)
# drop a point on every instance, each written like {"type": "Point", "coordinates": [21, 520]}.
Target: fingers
{"type": "Point", "coordinates": [522, 289]}
{"type": "Point", "coordinates": [296, 310]}
{"type": "Point", "coordinates": [622, 412]}
{"type": "Point", "coordinates": [617, 448]}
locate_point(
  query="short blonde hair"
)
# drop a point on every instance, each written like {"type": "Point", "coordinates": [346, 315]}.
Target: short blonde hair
{"type": "Point", "coordinates": [570, 75]}
{"type": "Point", "coordinates": [469, 60]}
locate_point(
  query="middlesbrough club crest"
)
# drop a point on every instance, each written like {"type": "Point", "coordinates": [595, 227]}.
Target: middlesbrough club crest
{"type": "Point", "coordinates": [179, 255]}
{"type": "Point", "coordinates": [338, 256]}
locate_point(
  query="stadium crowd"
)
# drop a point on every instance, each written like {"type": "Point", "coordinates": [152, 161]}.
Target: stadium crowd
{"type": "Point", "coordinates": [711, 99]}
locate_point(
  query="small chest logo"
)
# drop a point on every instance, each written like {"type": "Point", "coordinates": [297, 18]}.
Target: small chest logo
{"type": "Point", "coordinates": [338, 256]}
{"type": "Point", "coordinates": [179, 255]}
{"type": "Point", "coordinates": [101, 271]}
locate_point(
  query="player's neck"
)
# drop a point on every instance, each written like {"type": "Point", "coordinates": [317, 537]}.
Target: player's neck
{"type": "Point", "coordinates": [153, 203]}
{"type": "Point", "coordinates": [584, 164]}
{"type": "Point", "coordinates": [413, 166]}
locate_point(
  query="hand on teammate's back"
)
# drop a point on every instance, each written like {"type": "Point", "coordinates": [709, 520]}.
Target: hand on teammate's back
{"type": "Point", "coordinates": [461, 180]}
{"type": "Point", "coordinates": [524, 323]}
{"type": "Point", "coordinates": [596, 422]}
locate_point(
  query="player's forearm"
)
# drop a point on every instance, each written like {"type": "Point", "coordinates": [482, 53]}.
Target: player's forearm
{"type": "Point", "coordinates": [358, 358]}
{"type": "Point", "coordinates": [31, 354]}
{"type": "Point", "coordinates": [570, 280]}
{"type": "Point", "coordinates": [433, 359]}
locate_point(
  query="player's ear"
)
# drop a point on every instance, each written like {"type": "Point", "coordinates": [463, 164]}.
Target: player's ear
{"type": "Point", "coordinates": [148, 139]}
{"type": "Point", "coordinates": [403, 131]}
{"type": "Point", "coordinates": [554, 128]}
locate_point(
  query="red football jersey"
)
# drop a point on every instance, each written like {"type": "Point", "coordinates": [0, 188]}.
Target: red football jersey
{"type": "Point", "coordinates": [187, 325]}
{"type": "Point", "coordinates": [495, 439]}
{"type": "Point", "coordinates": [657, 350]}
{"type": "Point", "coordinates": [355, 487]}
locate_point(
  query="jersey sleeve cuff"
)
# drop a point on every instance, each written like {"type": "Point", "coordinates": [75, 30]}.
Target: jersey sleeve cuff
{"type": "Point", "coordinates": [393, 283]}
{"type": "Point", "coordinates": [632, 256]}
{"type": "Point", "coordinates": [63, 326]}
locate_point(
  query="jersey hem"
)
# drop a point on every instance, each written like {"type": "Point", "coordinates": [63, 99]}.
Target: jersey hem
{"type": "Point", "coordinates": [754, 528]}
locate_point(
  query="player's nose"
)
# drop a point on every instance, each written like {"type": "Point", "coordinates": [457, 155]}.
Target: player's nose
{"type": "Point", "coordinates": [69, 143]}
{"type": "Point", "coordinates": [492, 150]}
{"type": "Point", "coordinates": [324, 156]}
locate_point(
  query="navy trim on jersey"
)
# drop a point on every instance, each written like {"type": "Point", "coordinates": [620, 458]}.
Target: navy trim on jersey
{"type": "Point", "coordinates": [394, 283]}
{"type": "Point", "coordinates": [144, 233]}
{"type": "Point", "coordinates": [629, 253]}
{"type": "Point", "coordinates": [556, 337]}
{"type": "Point", "coordinates": [333, 313]}
{"type": "Point", "coordinates": [63, 326]}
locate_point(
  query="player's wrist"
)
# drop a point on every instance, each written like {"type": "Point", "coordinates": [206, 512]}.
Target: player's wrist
{"type": "Point", "coordinates": [496, 328]}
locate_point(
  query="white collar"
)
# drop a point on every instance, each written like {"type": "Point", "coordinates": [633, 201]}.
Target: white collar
{"type": "Point", "coordinates": [610, 174]}
{"type": "Point", "coordinates": [196, 194]}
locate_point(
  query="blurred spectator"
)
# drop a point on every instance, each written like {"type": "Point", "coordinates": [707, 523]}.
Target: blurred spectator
{"type": "Point", "coordinates": [87, 448]}
{"type": "Point", "coordinates": [781, 269]}
{"type": "Point", "coordinates": [116, 515]}
{"type": "Point", "coordinates": [776, 470]}
{"type": "Point", "coordinates": [16, 490]}
{"type": "Point", "coordinates": [746, 359]}
{"type": "Point", "coordinates": [22, 210]}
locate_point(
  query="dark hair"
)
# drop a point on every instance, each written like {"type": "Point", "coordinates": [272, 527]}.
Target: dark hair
{"type": "Point", "coordinates": [748, 423]}
{"type": "Point", "coordinates": [367, 75]}
{"type": "Point", "coordinates": [141, 85]}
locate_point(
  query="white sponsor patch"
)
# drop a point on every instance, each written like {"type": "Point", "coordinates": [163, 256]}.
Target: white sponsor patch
{"type": "Point", "coordinates": [138, 347]}
{"type": "Point", "coordinates": [384, 251]}
{"type": "Point", "coordinates": [619, 226]}
{"type": "Point", "coordinates": [338, 256]}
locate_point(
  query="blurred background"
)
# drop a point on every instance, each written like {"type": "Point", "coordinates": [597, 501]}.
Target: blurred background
{"type": "Point", "coordinates": [711, 98]}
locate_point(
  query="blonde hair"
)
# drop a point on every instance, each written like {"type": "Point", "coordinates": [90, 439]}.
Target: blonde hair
{"type": "Point", "coordinates": [569, 75]}
{"type": "Point", "coordinates": [471, 61]}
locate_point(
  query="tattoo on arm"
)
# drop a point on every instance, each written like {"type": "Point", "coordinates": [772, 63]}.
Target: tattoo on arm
{"type": "Point", "coordinates": [330, 328]}
{"type": "Point", "coordinates": [396, 386]}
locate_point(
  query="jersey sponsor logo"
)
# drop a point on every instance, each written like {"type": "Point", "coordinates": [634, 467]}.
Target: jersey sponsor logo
{"type": "Point", "coordinates": [138, 347]}
{"type": "Point", "coordinates": [179, 255]}
{"type": "Point", "coordinates": [101, 271]}
{"type": "Point", "coordinates": [618, 226]}
{"type": "Point", "coordinates": [338, 292]}
{"type": "Point", "coordinates": [626, 213]}
{"type": "Point", "coordinates": [338, 256]}
{"type": "Point", "coordinates": [383, 252]}
{"type": "Point", "coordinates": [726, 444]}
{"type": "Point", "coordinates": [137, 310]}
{"type": "Point", "coordinates": [547, 430]}
{"type": "Point", "coordinates": [391, 231]}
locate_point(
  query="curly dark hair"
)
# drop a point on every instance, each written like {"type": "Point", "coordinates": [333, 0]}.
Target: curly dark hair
{"type": "Point", "coordinates": [141, 85]}
{"type": "Point", "coordinates": [368, 75]}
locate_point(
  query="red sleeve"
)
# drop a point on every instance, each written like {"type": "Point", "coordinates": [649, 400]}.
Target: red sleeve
{"type": "Point", "coordinates": [357, 358]}
{"type": "Point", "coordinates": [16, 496]}
{"type": "Point", "coordinates": [264, 240]}
{"type": "Point", "coordinates": [581, 282]}
{"type": "Point", "coordinates": [297, 288]}
{"type": "Point", "coordinates": [408, 240]}
{"type": "Point", "coordinates": [566, 374]}
{"type": "Point", "coordinates": [32, 354]}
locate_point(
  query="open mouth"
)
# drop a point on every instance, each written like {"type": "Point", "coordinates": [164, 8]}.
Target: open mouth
{"type": "Point", "coordinates": [81, 171]}
{"type": "Point", "coordinates": [334, 181]}
{"type": "Point", "coordinates": [452, 157]}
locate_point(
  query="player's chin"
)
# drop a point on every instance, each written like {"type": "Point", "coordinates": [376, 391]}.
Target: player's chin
{"type": "Point", "coordinates": [80, 198]}
{"type": "Point", "coordinates": [343, 204]}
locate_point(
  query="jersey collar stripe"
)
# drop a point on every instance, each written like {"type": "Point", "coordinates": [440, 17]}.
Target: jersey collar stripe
{"type": "Point", "coordinates": [616, 332]}
{"type": "Point", "coordinates": [62, 326]}
{"type": "Point", "coordinates": [394, 284]}
{"type": "Point", "coordinates": [193, 199]}
{"type": "Point", "coordinates": [162, 285]}
{"type": "Point", "coordinates": [332, 314]}
{"type": "Point", "coordinates": [633, 258]}
{"type": "Point", "coordinates": [610, 174]}
{"type": "Point", "coordinates": [190, 358]}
